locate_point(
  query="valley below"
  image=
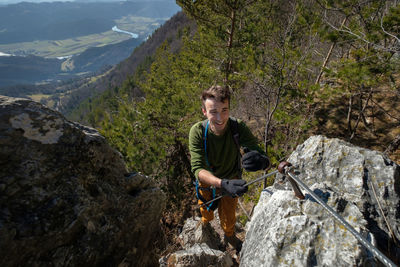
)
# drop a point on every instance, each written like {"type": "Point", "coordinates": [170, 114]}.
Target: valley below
{"type": "Point", "coordinates": [95, 41]}
{"type": "Point", "coordinates": [124, 29]}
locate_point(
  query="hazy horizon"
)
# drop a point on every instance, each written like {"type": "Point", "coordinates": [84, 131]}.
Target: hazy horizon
{"type": "Point", "coordinates": [6, 2]}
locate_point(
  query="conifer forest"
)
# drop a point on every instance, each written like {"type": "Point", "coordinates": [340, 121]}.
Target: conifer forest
{"type": "Point", "coordinates": [296, 68]}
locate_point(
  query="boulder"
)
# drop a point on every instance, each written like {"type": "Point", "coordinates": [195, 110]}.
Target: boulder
{"type": "Point", "coordinates": [199, 255]}
{"type": "Point", "coordinates": [201, 245]}
{"type": "Point", "coordinates": [66, 197]}
{"type": "Point", "coordinates": [361, 185]}
{"type": "Point", "coordinates": [194, 232]}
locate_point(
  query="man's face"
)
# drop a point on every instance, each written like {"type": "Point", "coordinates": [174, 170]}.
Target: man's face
{"type": "Point", "coordinates": [217, 113]}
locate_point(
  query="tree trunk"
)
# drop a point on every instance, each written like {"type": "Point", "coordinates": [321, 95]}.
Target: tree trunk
{"type": "Point", "coordinates": [362, 109]}
{"type": "Point", "coordinates": [349, 112]}
{"type": "Point", "coordinates": [328, 56]}
{"type": "Point", "coordinates": [230, 46]}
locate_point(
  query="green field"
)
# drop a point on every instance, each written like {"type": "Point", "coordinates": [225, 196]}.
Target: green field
{"type": "Point", "coordinates": [140, 25]}
{"type": "Point", "coordinates": [60, 48]}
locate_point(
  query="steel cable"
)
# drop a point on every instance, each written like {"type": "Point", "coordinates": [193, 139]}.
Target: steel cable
{"type": "Point", "coordinates": [385, 260]}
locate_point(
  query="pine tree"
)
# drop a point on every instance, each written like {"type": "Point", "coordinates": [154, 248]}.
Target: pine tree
{"type": "Point", "coordinates": [369, 64]}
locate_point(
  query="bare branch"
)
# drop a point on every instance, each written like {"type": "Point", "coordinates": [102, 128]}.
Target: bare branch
{"type": "Point", "coordinates": [385, 111]}
{"type": "Point", "coordinates": [361, 111]}
{"type": "Point", "coordinates": [393, 145]}
{"type": "Point", "coordinates": [388, 33]}
{"type": "Point", "coordinates": [361, 36]}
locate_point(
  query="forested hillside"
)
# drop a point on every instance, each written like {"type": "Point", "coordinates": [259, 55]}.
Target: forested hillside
{"type": "Point", "coordinates": [296, 68]}
{"type": "Point", "coordinates": [49, 42]}
{"type": "Point", "coordinates": [27, 22]}
{"type": "Point", "coordinates": [20, 75]}
{"type": "Point", "coordinates": [114, 79]}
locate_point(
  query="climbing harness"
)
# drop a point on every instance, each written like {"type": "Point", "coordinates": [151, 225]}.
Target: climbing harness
{"type": "Point", "coordinates": [211, 205]}
{"type": "Point", "coordinates": [385, 260]}
{"type": "Point", "coordinates": [205, 143]}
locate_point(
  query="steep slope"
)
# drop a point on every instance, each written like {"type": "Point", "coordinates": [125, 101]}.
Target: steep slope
{"type": "Point", "coordinates": [16, 71]}
{"type": "Point", "coordinates": [119, 73]}
{"type": "Point", "coordinates": [26, 22]}
{"type": "Point", "coordinates": [94, 58]}
{"type": "Point", "coordinates": [25, 70]}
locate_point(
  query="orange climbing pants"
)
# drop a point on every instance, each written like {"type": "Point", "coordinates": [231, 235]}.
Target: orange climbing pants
{"type": "Point", "coordinates": [226, 210]}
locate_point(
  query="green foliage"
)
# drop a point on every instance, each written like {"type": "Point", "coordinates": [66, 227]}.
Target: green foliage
{"type": "Point", "coordinates": [370, 59]}
{"type": "Point", "coordinates": [391, 22]}
{"type": "Point", "coordinates": [270, 53]}
{"type": "Point", "coordinates": [152, 133]}
{"type": "Point", "coordinates": [255, 189]}
{"type": "Point", "coordinates": [281, 72]}
{"type": "Point", "coordinates": [368, 37]}
{"type": "Point", "coordinates": [243, 219]}
{"type": "Point", "coordinates": [223, 33]}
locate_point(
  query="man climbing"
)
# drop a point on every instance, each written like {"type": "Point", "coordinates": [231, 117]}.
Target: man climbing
{"type": "Point", "coordinates": [215, 158]}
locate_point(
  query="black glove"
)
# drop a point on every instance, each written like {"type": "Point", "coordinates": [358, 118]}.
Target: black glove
{"type": "Point", "coordinates": [234, 187]}
{"type": "Point", "coordinates": [253, 161]}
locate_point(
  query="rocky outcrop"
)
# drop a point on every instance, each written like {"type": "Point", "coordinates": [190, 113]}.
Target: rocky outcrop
{"type": "Point", "coordinates": [202, 247]}
{"type": "Point", "coordinates": [66, 198]}
{"type": "Point", "coordinates": [200, 255]}
{"type": "Point", "coordinates": [361, 185]}
{"type": "Point", "coordinates": [194, 233]}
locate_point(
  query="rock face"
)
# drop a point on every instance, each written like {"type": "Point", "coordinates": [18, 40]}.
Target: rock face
{"type": "Point", "coordinates": [287, 231]}
{"type": "Point", "coordinates": [65, 196]}
{"type": "Point", "coordinates": [193, 233]}
{"type": "Point", "coordinates": [200, 255]}
{"type": "Point", "coordinates": [200, 245]}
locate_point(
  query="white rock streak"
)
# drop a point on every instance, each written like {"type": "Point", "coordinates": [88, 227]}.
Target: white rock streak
{"type": "Point", "coordinates": [47, 133]}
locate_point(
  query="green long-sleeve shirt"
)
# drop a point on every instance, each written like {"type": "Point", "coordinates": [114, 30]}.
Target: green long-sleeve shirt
{"type": "Point", "coordinates": [222, 151]}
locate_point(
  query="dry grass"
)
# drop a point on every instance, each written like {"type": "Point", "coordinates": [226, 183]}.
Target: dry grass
{"type": "Point", "coordinates": [382, 117]}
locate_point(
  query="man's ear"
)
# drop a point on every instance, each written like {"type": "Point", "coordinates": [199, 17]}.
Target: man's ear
{"type": "Point", "coordinates": [204, 111]}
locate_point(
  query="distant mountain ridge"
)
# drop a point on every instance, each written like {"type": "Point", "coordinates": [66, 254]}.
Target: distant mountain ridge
{"type": "Point", "coordinates": [168, 32]}
{"type": "Point", "coordinates": [67, 95]}
{"type": "Point", "coordinates": [26, 22]}
{"type": "Point", "coordinates": [52, 22]}
{"type": "Point", "coordinates": [94, 58]}
{"type": "Point", "coordinates": [19, 70]}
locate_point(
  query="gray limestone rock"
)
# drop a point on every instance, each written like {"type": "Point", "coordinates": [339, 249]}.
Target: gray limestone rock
{"type": "Point", "coordinates": [194, 232]}
{"type": "Point", "coordinates": [65, 196]}
{"type": "Point", "coordinates": [286, 231]}
{"type": "Point", "coordinates": [200, 255]}
{"type": "Point", "coordinates": [200, 245]}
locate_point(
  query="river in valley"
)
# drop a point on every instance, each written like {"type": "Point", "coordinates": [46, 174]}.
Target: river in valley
{"type": "Point", "coordinates": [134, 35]}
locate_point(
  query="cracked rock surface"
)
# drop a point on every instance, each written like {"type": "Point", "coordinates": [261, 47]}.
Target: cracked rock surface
{"type": "Point", "coordinates": [66, 197]}
{"type": "Point", "coordinates": [286, 231]}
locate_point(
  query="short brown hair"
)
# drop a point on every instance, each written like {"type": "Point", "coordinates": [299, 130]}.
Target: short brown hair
{"type": "Point", "coordinates": [216, 92]}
